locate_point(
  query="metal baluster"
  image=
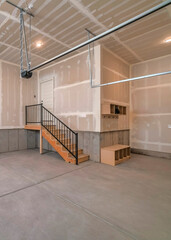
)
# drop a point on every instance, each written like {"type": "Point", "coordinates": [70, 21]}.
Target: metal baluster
{"type": "Point", "coordinates": [57, 127]}
{"type": "Point", "coordinates": [48, 119]}
{"type": "Point", "coordinates": [74, 147]}
{"type": "Point", "coordinates": [65, 141]}
{"type": "Point", "coordinates": [67, 135]}
{"type": "Point", "coordinates": [72, 143]}
{"type": "Point", "coordinates": [53, 125]}
{"type": "Point", "coordinates": [50, 122]}
{"type": "Point", "coordinates": [63, 130]}
{"type": "Point", "coordinates": [41, 114]}
{"type": "Point", "coordinates": [76, 136]}
{"type": "Point", "coordinates": [59, 131]}
{"type": "Point", "coordinates": [26, 115]}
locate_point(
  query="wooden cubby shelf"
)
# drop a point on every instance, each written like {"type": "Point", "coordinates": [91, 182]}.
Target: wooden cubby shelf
{"type": "Point", "coordinates": [115, 154]}
{"type": "Point", "coordinates": [113, 109]}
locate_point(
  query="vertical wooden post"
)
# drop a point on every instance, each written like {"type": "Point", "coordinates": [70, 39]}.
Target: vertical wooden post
{"type": "Point", "coordinates": [41, 141]}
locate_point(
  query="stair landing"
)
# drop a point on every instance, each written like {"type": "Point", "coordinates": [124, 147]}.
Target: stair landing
{"type": "Point", "coordinates": [33, 127]}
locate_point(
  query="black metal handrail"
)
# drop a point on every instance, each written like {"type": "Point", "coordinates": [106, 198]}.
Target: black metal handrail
{"type": "Point", "coordinates": [37, 113]}
{"type": "Point", "coordinates": [33, 113]}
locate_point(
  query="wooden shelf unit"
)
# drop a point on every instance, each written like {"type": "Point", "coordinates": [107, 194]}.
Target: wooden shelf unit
{"type": "Point", "coordinates": [115, 154]}
{"type": "Point", "coordinates": [113, 109]}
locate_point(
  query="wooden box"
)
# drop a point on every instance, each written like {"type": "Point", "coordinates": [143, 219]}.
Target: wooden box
{"type": "Point", "coordinates": [115, 154]}
{"type": "Point", "coordinates": [108, 108]}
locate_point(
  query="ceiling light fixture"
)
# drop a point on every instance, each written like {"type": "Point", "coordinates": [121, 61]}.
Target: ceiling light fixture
{"type": "Point", "coordinates": [167, 40]}
{"type": "Point", "coordinates": [39, 44]}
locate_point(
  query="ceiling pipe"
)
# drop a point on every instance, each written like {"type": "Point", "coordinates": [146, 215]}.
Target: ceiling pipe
{"type": "Point", "coordinates": [126, 23]}
{"type": "Point", "coordinates": [21, 9]}
{"type": "Point", "coordinates": [132, 79]}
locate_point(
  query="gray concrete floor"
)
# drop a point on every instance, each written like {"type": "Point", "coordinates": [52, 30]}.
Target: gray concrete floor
{"type": "Point", "coordinates": [44, 198]}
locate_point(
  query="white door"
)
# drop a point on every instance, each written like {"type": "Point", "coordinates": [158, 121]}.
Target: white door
{"type": "Point", "coordinates": [46, 94]}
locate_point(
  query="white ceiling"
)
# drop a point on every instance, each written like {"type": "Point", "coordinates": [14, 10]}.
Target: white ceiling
{"type": "Point", "coordinates": [61, 25]}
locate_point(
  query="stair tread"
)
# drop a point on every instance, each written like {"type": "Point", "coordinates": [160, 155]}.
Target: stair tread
{"type": "Point", "coordinates": [79, 150]}
{"type": "Point", "coordinates": [81, 155]}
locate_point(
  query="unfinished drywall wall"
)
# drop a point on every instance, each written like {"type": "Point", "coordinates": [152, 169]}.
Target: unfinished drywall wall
{"type": "Point", "coordinates": [74, 101]}
{"type": "Point", "coordinates": [113, 69]}
{"type": "Point", "coordinates": [151, 106]}
{"type": "Point", "coordinates": [15, 93]}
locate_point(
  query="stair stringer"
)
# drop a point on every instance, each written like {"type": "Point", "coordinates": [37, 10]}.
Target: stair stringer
{"type": "Point", "coordinates": [58, 147]}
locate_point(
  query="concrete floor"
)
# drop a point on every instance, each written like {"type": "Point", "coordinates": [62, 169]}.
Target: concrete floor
{"type": "Point", "coordinates": [44, 198]}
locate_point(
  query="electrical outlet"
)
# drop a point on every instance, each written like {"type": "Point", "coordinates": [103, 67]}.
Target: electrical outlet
{"type": "Point", "coordinates": [169, 125]}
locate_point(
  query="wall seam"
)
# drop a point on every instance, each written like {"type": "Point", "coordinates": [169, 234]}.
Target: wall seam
{"type": "Point", "coordinates": [0, 93]}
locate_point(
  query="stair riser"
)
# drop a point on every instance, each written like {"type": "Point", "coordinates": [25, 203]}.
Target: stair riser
{"type": "Point", "coordinates": [80, 151]}
{"type": "Point", "coordinates": [80, 160]}
{"type": "Point", "coordinates": [62, 136]}
{"type": "Point", "coordinates": [52, 129]}
{"type": "Point", "coordinates": [65, 142]}
{"type": "Point", "coordinates": [60, 132]}
{"type": "Point", "coordinates": [83, 159]}
{"type": "Point", "coordinates": [70, 147]}
{"type": "Point", "coordinates": [50, 126]}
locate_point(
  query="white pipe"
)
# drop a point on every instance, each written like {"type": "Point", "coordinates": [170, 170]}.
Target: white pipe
{"type": "Point", "coordinates": [134, 19]}
{"type": "Point", "coordinates": [132, 79]}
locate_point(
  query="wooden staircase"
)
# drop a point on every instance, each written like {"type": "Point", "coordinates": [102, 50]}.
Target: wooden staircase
{"type": "Point", "coordinates": [63, 139]}
{"type": "Point", "coordinates": [66, 155]}
{"type": "Point", "coordinates": [59, 148]}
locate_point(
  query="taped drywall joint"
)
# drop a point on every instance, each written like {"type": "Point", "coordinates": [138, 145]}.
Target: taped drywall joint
{"type": "Point", "coordinates": [0, 93]}
{"type": "Point", "coordinates": [72, 85]}
{"type": "Point", "coordinates": [79, 114]}
{"type": "Point", "coordinates": [111, 70]}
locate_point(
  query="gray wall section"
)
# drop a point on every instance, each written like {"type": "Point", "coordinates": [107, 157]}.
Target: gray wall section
{"type": "Point", "coordinates": [13, 143]}
{"type": "Point", "coordinates": [31, 139]}
{"type": "Point", "coordinates": [90, 143]}
{"type": "Point", "coordinates": [22, 139]}
{"type": "Point", "coordinates": [4, 140]}
{"type": "Point", "coordinates": [16, 139]}
{"type": "Point", "coordinates": [46, 145]}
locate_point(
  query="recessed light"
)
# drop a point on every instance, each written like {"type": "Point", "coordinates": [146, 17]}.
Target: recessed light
{"type": "Point", "coordinates": [167, 40]}
{"type": "Point", "coordinates": [39, 44]}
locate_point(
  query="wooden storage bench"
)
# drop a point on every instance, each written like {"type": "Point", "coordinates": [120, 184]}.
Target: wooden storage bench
{"type": "Point", "coordinates": [115, 154]}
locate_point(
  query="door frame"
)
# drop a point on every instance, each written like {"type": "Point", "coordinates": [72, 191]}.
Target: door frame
{"type": "Point", "coordinates": [41, 82]}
